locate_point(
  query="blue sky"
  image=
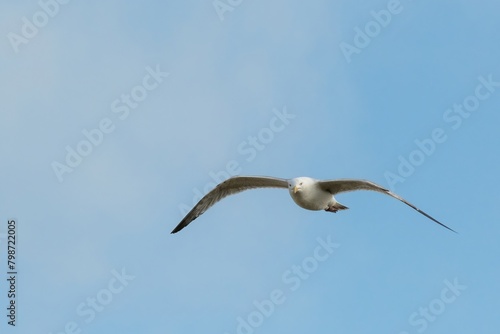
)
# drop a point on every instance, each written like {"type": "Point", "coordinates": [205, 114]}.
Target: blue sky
{"type": "Point", "coordinates": [177, 91]}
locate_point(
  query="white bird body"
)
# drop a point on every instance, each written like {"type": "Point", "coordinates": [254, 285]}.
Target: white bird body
{"type": "Point", "coordinates": [306, 192]}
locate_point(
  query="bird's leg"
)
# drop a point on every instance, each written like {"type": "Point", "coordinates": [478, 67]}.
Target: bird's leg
{"type": "Point", "coordinates": [331, 209]}
{"type": "Point", "coordinates": [336, 206]}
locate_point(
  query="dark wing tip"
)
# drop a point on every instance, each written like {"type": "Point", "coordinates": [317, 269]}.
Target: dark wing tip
{"type": "Point", "coordinates": [443, 225]}
{"type": "Point", "coordinates": [390, 193]}
{"type": "Point", "coordinates": [435, 220]}
{"type": "Point", "coordinates": [185, 222]}
{"type": "Point", "coordinates": [179, 227]}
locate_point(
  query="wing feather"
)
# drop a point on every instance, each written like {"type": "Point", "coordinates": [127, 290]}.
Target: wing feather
{"type": "Point", "coordinates": [231, 186]}
{"type": "Point", "coordinates": [344, 185]}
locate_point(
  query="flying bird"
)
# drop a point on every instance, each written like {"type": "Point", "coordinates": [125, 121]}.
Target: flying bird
{"type": "Point", "coordinates": [308, 193]}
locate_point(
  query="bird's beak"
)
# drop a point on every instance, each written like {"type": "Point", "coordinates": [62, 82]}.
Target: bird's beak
{"type": "Point", "coordinates": [295, 189]}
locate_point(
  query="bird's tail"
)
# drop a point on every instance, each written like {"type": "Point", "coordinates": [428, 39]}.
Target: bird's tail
{"type": "Point", "coordinates": [336, 207]}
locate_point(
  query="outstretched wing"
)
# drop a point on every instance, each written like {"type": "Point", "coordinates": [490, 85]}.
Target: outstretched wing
{"type": "Point", "coordinates": [231, 186]}
{"type": "Point", "coordinates": [339, 186]}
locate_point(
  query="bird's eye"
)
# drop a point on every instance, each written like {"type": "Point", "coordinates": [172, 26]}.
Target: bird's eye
{"type": "Point", "coordinates": [301, 183]}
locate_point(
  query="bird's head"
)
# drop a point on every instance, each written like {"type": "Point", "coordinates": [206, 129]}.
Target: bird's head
{"type": "Point", "coordinates": [298, 184]}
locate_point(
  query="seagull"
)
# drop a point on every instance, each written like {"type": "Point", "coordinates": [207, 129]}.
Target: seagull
{"type": "Point", "coordinates": [308, 193]}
